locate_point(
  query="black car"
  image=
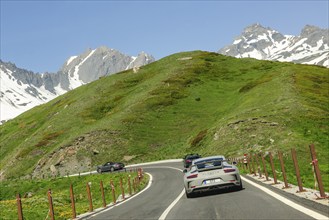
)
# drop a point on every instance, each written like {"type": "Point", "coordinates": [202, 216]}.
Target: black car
{"type": "Point", "coordinates": [187, 160]}
{"type": "Point", "coordinates": [110, 166]}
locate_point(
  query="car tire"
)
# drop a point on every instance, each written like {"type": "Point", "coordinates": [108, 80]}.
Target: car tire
{"type": "Point", "coordinates": [240, 187]}
{"type": "Point", "coordinates": [112, 169]}
{"type": "Point", "coordinates": [188, 195]}
{"type": "Point", "coordinates": [99, 170]}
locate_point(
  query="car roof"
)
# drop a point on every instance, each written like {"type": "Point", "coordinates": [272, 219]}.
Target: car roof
{"type": "Point", "coordinates": [193, 155]}
{"type": "Point", "coordinates": [209, 158]}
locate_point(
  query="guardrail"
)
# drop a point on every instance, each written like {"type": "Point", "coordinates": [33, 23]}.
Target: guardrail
{"type": "Point", "coordinates": [249, 162]}
{"type": "Point", "coordinates": [132, 186]}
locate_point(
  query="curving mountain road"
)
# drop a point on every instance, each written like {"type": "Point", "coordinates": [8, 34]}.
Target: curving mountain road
{"type": "Point", "coordinates": [165, 199]}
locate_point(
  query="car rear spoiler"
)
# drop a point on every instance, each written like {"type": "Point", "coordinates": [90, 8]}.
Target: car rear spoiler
{"type": "Point", "coordinates": [212, 165]}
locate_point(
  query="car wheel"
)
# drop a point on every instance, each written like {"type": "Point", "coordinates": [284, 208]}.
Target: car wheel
{"type": "Point", "coordinates": [188, 195]}
{"type": "Point", "coordinates": [240, 187]}
{"type": "Point", "coordinates": [99, 170]}
{"type": "Point", "coordinates": [112, 169]}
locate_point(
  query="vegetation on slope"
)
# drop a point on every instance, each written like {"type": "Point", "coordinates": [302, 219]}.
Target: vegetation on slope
{"type": "Point", "coordinates": [35, 203]}
{"type": "Point", "coordinates": [188, 102]}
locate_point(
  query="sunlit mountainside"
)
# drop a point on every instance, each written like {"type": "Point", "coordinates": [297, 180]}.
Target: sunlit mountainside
{"type": "Point", "coordinates": [187, 102]}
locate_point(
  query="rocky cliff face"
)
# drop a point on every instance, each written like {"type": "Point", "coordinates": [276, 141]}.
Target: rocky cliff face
{"type": "Point", "coordinates": [256, 41]}
{"type": "Point", "coordinates": [21, 89]}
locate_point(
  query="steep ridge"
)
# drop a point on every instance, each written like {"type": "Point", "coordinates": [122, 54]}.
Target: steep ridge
{"type": "Point", "coordinates": [22, 90]}
{"type": "Point", "coordinates": [256, 41]}
{"type": "Point", "coordinates": [188, 102]}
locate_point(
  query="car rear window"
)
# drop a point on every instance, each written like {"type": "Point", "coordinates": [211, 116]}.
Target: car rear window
{"type": "Point", "coordinates": [193, 157]}
{"type": "Point", "coordinates": [209, 163]}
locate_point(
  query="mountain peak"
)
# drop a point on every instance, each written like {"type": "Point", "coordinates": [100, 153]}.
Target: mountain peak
{"type": "Point", "coordinates": [257, 27]}
{"type": "Point", "coordinates": [311, 29]}
{"type": "Point", "coordinates": [24, 89]}
{"type": "Point", "coordinates": [311, 47]}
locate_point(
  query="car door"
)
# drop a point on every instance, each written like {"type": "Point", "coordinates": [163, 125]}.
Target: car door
{"type": "Point", "coordinates": [107, 166]}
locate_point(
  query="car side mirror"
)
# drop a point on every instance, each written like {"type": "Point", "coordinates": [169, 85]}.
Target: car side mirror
{"type": "Point", "coordinates": [185, 171]}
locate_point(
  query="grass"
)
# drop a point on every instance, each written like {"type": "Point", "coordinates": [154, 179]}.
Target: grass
{"type": "Point", "coordinates": [36, 205]}
{"type": "Point", "coordinates": [210, 104]}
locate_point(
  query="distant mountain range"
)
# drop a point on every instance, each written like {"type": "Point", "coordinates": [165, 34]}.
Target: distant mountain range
{"type": "Point", "coordinates": [21, 90]}
{"type": "Point", "coordinates": [256, 41]}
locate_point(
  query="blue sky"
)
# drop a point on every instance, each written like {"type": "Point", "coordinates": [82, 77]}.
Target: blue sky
{"type": "Point", "coordinates": [41, 35]}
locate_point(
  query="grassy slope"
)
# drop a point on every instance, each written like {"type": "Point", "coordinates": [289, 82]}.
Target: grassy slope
{"type": "Point", "coordinates": [211, 104]}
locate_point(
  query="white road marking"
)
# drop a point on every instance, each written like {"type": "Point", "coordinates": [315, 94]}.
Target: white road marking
{"type": "Point", "coordinates": [165, 213]}
{"type": "Point", "coordinates": [156, 162]}
{"type": "Point", "coordinates": [288, 202]}
{"type": "Point", "coordinates": [163, 216]}
{"type": "Point", "coordinates": [109, 207]}
{"type": "Point", "coordinates": [166, 167]}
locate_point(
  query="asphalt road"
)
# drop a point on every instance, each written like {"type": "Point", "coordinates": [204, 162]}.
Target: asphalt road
{"type": "Point", "coordinates": [167, 186]}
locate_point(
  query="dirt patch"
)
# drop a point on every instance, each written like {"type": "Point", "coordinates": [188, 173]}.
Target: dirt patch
{"type": "Point", "coordinates": [77, 156]}
{"type": "Point", "coordinates": [185, 58]}
{"type": "Point", "coordinates": [128, 158]}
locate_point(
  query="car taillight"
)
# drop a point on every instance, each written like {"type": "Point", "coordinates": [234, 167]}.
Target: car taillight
{"type": "Point", "coordinates": [188, 161]}
{"type": "Point", "coordinates": [192, 176]}
{"type": "Point", "coordinates": [228, 170]}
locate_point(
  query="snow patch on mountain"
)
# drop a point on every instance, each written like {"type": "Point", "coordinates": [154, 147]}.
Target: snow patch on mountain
{"type": "Point", "coordinates": [16, 96]}
{"type": "Point", "coordinates": [256, 41]}
{"type": "Point", "coordinates": [21, 90]}
{"type": "Point", "coordinates": [70, 59]}
{"type": "Point", "coordinates": [74, 79]}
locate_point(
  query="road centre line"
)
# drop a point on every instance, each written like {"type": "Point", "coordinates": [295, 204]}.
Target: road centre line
{"type": "Point", "coordinates": [168, 209]}
{"type": "Point", "coordinates": [174, 168]}
{"type": "Point", "coordinates": [166, 212]}
{"type": "Point", "coordinates": [288, 202]}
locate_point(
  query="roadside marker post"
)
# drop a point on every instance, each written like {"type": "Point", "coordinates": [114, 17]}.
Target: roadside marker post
{"type": "Point", "coordinates": [74, 214]}
{"type": "Point", "coordinates": [122, 189]}
{"type": "Point", "coordinates": [299, 181]}
{"type": "Point", "coordinates": [249, 165]}
{"type": "Point", "coordinates": [283, 170]}
{"type": "Point", "coordinates": [113, 192]}
{"type": "Point", "coordinates": [134, 185]}
{"type": "Point", "coordinates": [89, 198]}
{"type": "Point", "coordinates": [244, 162]}
{"type": "Point", "coordinates": [253, 165]}
{"type": "Point", "coordinates": [103, 195]}
{"type": "Point", "coordinates": [51, 207]}
{"type": "Point", "coordinates": [258, 166]}
{"type": "Point", "coordinates": [317, 172]}
{"type": "Point", "coordinates": [19, 207]}
{"type": "Point", "coordinates": [273, 169]}
{"type": "Point", "coordinates": [129, 185]}
{"type": "Point", "coordinates": [264, 168]}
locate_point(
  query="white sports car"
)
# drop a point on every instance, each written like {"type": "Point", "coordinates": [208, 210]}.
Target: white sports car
{"type": "Point", "coordinates": [211, 173]}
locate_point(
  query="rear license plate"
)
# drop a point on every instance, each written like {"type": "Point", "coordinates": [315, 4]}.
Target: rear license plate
{"type": "Point", "coordinates": [211, 181]}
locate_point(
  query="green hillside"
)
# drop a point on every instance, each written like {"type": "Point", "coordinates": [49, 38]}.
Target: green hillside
{"type": "Point", "coordinates": [187, 102]}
